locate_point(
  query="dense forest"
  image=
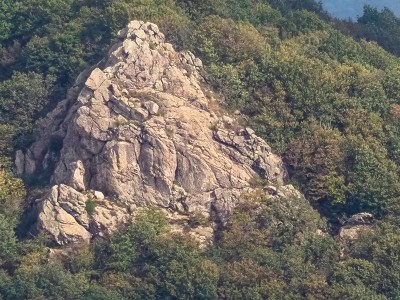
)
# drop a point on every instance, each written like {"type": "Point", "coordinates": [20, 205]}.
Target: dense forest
{"type": "Point", "coordinates": [324, 93]}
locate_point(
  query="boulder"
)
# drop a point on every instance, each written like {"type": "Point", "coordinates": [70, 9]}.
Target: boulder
{"type": "Point", "coordinates": [96, 78]}
{"type": "Point", "coordinates": [361, 219]}
{"type": "Point", "coordinates": [152, 107]}
{"type": "Point", "coordinates": [64, 217]}
{"type": "Point", "coordinates": [98, 195]}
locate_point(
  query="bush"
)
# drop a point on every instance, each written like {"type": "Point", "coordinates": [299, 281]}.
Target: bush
{"type": "Point", "coordinates": [197, 219]}
{"type": "Point", "coordinates": [90, 206]}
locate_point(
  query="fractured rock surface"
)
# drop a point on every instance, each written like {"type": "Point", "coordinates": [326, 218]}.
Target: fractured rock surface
{"type": "Point", "coordinates": [138, 130]}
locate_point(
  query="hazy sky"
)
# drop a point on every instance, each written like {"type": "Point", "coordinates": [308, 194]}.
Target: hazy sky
{"type": "Point", "coordinates": [353, 8]}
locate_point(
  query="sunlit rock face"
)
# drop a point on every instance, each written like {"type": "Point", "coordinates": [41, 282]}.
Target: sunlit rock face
{"type": "Point", "coordinates": [138, 130]}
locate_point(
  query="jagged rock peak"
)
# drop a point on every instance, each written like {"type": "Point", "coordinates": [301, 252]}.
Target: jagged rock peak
{"type": "Point", "coordinates": [138, 130]}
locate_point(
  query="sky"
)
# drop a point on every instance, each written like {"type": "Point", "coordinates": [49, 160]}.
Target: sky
{"type": "Point", "coordinates": [345, 9]}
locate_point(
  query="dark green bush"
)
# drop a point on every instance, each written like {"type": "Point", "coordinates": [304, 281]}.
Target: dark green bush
{"type": "Point", "coordinates": [90, 206]}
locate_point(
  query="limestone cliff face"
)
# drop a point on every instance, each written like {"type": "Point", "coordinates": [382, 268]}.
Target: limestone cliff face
{"type": "Point", "coordinates": [138, 130]}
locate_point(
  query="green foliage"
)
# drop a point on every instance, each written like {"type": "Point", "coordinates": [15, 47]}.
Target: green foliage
{"type": "Point", "coordinates": [11, 193]}
{"type": "Point", "coordinates": [181, 270]}
{"type": "Point", "coordinates": [300, 22]}
{"type": "Point", "coordinates": [316, 157]}
{"type": "Point", "coordinates": [126, 246]}
{"type": "Point", "coordinates": [373, 179]}
{"type": "Point", "coordinates": [98, 292]}
{"type": "Point", "coordinates": [8, 241]}
{"type": "Point", "coordinates": [227, 41]}
{"type": "Point", "coordinates": [383, 27]}
{"type": "Point", "coordinates": [380, 26]}
{"type": "Point", "coordinates": [48, 281]}
{"type": "Point", "coordinates": [151, 262]}
{"type": "Point", "coordinates": [22, 99]}
{"type": "Point", "coordinates": [90, 206]}
{"type": "Point", "coordinates": [374, 261]}
{"type": "Point", "coordinates": [272, 249]}
{"type": "Point", "coordinates": [355, 272]}
{"type": "Point", "coordinates": [289, 5]}
{"type": "Point", "coordinates": [275, 249]}
{"type": "Point", "coordinates": [7, 12]}
{"type": "Point", "coordinates": [197, 219]}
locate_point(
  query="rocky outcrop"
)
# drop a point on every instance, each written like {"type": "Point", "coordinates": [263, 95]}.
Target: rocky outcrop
{"type": "Point", "coordinates": [139, 130]}
{"type": "Point", "coordinates": [358, 222]}
{"type": "Point", "coordinates": [351, 230]}
{"type": "Point", "coordinates": [64, 214]}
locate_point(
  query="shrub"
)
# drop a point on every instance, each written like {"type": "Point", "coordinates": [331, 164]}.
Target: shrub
{"type": "Point", "coordinates": [90, 206]}
{"type": "Point", "coordinates": [197, 219]}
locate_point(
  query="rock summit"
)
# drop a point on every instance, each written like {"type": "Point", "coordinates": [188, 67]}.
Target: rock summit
{"type": "Point", "coordinates": [140, 129]}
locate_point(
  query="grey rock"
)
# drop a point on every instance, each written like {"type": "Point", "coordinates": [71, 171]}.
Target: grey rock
{"type": "Point", "coordinates": [169, 47]}
{"type": "Point", "coordinates": [30, 162]}
{"type": "Point", "coordinates": [270, 189]}
{"type": "Point", "coordinates": [140, 34]}
{"type": "Point", "coordinates": [361, 219]}
{"type": "Point", "coordinates": [134, 25]}
{"type": "Point", "coordinates": [129, 47]}
{"type": "Point", "coordinates": [116, 90]}
{"type": "Point", "coordinates": [139, 114]}
{"type": "Point", "coordinates": [198, 63]}
{"type": "Point", "coordinates": [139, 41]}
{"type": "Point", "coordinates": [140, 156]}
{"type": "Point", "coordinates": [98, 195]}
{"type": "Point", "coordinates": [123, 33]}
{"type": "Point", "coordinates": [19, 162]}
{"type": "Point", "coordinates": [152, 107]}
{"type": "Point", "coordinates": [228, 120]}
{"type": "Point", "coordinates": [96, 79]}
{"type": "Point", "coordinates": [250, 131]}
{"type": "Point", "coordinates": [159, 86]}
{"type": "Point", "coordinates": [63, 215]}
{"type": "Point", "coordinates": [119, 107]}
{"type": "Point", "coordinates": [154, 28]}
{"type": "Point", "coordinates": [60, 223]}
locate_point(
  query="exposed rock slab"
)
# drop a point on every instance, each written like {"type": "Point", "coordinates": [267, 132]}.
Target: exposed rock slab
{"type": "Point", "coordinates": [140, 130]}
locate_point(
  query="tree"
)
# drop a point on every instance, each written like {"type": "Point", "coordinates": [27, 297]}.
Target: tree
{"type": "Point", "coordinates": [8, 242]}
{"type": "Point", "coordinates": [316, 162]}
{"type": "Point", "coordinates": [22, 99]}
{"type": "Point", "coordinates": [226, 41]}
{"type": "Point", "coordinates": [11, 193]}
{"type": "Point", "coordinates": [372, 179]}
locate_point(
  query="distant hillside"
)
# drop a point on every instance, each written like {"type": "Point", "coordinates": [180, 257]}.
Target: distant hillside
{"type": "Point", "coordinates": [353, 8]}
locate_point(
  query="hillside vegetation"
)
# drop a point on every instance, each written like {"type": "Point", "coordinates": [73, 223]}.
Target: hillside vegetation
{"type": "Point", "coordinates": [330, 105]}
